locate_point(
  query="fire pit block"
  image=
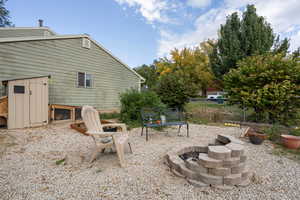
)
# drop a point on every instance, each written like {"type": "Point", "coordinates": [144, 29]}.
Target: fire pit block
{"type": "Point", "coordinates": [210, 179]}
{"type": "Point", "coordinates": [219, 152]}
{"type": "Point", "coordinates": [246, 174]}
{"type": "Point", "coordinates": [237, 150]}
{"type": "Point", "coordinates": [220, 171]}
{"type": "Point", "coordinates": [243, 158]}
{"type": "Point", "coordinates": [233, 179]}
{"type": "Point", "coordinates": [231, 162]}
{"type": "Point", "coordinates": [220, 166]}
{"type": "Point", "coordinates": [206, 161]}
{"type": "Point", "coordinates": [193, 165]}
{"type": "Point", "coordinates": [238, 169]}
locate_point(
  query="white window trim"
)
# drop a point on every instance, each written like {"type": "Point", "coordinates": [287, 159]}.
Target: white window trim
{"type": "Point", "coordinates": [85, 80]}
{"type": "Point", "coordinates": [85, 73]}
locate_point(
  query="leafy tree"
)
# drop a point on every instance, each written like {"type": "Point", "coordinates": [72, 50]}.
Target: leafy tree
{"type": "Point", "coordinates": [240, 38]}
{"type": "Point", "coordinates": [149, 73]}
{"type": "Point", "coordinates": [269, 84]}
{"type": "Point", "coordinates": [191, 66]}
{"type": "Point", "coordinates": [173, 91]}
{"type": "Point", "coordinates": [4, 15]}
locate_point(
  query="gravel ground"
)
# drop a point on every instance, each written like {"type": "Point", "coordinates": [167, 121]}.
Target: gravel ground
{"type": "Point", "coordinates": [28, 169]}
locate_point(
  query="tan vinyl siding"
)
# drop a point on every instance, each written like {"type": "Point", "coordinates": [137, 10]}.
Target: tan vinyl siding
{"type": "Point", "coordinates": [62, 59]}
{"type": "Point", "coordinates": [7, 33]}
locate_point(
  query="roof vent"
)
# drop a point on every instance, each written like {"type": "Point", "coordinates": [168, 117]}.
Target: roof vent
{"type": "Point", "coordinates": [86, 43]}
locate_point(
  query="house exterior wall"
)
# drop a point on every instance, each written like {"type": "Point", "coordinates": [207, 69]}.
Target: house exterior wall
{"type": "Point", "coordinates": [62, 59]}
{"type": "Point", "coordinates": [19, 32]}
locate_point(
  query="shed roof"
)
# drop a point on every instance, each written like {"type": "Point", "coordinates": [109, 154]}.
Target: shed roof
{"type": "Point", "coordinates": [58, 37]}
{"type": "Point", "coordinates": [4, 82]}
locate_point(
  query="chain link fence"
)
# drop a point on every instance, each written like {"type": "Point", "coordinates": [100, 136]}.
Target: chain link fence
{"type": "Point", "coordinates": [219, 110]}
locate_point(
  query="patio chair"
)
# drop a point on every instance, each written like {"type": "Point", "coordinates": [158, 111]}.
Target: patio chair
{"type": "Point", "coordinates": [104, 139]}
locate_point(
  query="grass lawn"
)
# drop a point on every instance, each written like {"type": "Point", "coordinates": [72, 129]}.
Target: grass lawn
{"type": "Point", "coordinates": [198, 104]}
{"type": "Point", "coordinates": [206, 112]}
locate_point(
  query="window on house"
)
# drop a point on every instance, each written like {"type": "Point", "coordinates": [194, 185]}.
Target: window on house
{"type": "Point", "coordinates": [88, 80]}
{"type": "Point", "coordinates": [84, 80]}
{"type": "Point", "coordinates": [81, 79]}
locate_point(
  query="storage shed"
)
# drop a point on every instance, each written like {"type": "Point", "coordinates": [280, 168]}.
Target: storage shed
{"type": "Point", "coordinates": [27, 102]}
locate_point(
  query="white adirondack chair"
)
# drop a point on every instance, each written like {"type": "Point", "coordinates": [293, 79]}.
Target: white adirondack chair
{"type": "Point", "coordinates": [103, 139]}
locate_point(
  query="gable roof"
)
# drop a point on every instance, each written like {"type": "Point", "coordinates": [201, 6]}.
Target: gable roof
{"type": "Point", "coordinates": [58, 37]}
{"type": "Point", "coordinates": [28, 28]}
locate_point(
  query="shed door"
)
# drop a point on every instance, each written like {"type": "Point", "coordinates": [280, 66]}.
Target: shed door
{"type": "Point", "coordinates": [38, 101]}
{"type": "Point", "coordinates": [28, 103]}
{"type": "Point", "coordinates": [18, 104]}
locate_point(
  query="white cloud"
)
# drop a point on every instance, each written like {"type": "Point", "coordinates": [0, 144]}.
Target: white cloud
{"type": "Point", "coordinates": [283, 15]}
{"type": "Point", "coordinates": [151, 10]}
{"type": "Point", "coordinates": [206, 27]}
{"type": "Point", "coordinates": [198, 3]}
{"type": "Point", "coordinates": [295, 41]}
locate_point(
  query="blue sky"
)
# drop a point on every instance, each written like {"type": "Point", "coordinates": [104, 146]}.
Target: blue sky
{"type": "Point", "coordinates": [139, 31]}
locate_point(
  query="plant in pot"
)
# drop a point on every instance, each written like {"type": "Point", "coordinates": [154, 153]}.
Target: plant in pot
{"type": "Point", "coordinates": [292, 141]}
{"type": "Point", "coordinates": [256, 137]}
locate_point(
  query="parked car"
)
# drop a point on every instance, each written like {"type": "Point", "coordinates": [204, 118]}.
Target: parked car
{"type": "Point", "coordinates": [214, 96]}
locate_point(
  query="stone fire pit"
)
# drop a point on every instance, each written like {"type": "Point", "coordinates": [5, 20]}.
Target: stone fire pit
{"type": "Point", "coordinates": [221, 165]}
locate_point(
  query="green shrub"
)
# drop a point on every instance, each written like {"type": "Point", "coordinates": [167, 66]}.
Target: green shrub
{"type": "Point", "coordinates": [114, 115]}
{"type": "Point", "coordinates": [132, 101]}
{"type": "Point", "coordinates": [269, 84]}
{"type": "Point", "coordinates": [273, 132]}
{"type": "Point", "coordinates": [295, 131]}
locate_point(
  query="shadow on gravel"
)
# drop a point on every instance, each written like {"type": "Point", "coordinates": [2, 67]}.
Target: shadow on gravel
{"type": "Point", "coordinates": [5, 142]}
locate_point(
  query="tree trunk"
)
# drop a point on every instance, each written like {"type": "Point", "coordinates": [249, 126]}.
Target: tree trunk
{"type": "Point", "coordinates": [204, 92]}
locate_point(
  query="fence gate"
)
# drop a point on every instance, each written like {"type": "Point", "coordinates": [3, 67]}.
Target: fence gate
{"type": "Point", "coordinates": [27, 102]}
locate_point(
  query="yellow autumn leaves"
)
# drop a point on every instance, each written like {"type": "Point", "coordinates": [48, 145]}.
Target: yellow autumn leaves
{"type": "Point", "coordinates": [191, 64]}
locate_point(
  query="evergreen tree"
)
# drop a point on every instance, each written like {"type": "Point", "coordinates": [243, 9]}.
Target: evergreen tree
{"type": "Point", "coordinates": [4, 15]}
{"type": "Point", "coordinates": [281, 47]}
{"type": "Point", "coordinates": [296, 54]}
{"type": "Point", "coordinates": [240, 38]}
{"type": "Point", "coordinates": [257, 36]}
{"type": "Point", "coordinates": [228, 49]}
